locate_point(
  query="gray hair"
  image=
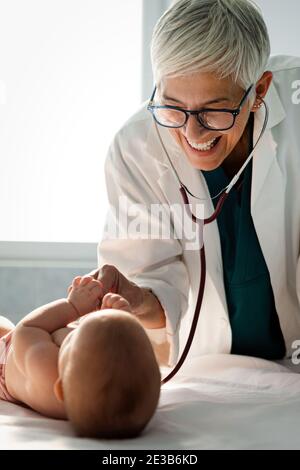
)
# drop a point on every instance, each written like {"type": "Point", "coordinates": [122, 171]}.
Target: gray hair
{"type": "Point", "coordinates": [226, 37]}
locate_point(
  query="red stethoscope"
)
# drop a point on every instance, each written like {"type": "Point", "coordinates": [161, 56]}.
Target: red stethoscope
{"type": "Point", "coordinates": [223, 196]}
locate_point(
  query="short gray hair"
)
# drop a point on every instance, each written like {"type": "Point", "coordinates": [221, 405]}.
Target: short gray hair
{"type": "Point", "coordinates": [226, 37]}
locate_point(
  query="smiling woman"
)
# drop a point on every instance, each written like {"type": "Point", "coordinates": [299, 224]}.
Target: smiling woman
{"type": "Point", "coordinates": [211, 116]}
{"type": "Point", "coordinates": [58, 114]}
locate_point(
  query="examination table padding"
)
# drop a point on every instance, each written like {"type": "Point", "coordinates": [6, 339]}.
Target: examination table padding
{"type": "Point", "coordinates": [218, 402]}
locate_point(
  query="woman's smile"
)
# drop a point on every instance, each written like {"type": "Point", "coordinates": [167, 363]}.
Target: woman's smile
{"type": "Point", "coordinates": [204, 149]}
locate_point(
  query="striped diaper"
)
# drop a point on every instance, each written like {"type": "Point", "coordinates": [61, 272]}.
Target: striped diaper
{"type": "Point", "coordinates": [5, 343]}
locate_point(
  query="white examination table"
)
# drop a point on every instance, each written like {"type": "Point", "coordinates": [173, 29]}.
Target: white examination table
{"type": "Point", "coordinates": [218, 402]}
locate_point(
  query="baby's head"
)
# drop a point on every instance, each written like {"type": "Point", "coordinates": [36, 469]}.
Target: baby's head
{"type": "Point", "coordinates": [110, 380]}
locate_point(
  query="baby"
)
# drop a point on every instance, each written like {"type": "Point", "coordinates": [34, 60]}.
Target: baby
{"type": "Point", "coordinates": [67, 360]}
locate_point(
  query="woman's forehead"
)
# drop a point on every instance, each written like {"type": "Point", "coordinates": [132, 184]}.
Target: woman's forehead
{"type": "Point", "coordinates": [201, 89]}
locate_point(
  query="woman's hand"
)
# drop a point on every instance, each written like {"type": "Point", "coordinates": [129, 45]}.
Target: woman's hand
{"type": "Point", "coordinates": [85, 294]}
{"type": "Point", "coordinates": [144, 304]}
{"type": "Point", "coordinates": [113, 281]}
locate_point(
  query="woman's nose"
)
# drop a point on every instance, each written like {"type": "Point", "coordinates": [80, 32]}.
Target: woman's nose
{"type": "Point", "coordinates": [193, 130]}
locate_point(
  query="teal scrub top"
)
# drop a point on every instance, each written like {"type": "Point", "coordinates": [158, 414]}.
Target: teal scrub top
{"type": "Point", "coordinates": [250, 299]}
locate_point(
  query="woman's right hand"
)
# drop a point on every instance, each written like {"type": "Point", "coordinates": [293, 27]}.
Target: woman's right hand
{"type": "Point", "coordinates": [113, 281]}
{"type": "Point", "coordinates": [143, 303]}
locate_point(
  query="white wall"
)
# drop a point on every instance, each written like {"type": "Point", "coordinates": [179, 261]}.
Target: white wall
{"type": "Point", "coordinates": [70, 75]}
{"type": "Point", "coordinates": [152, 10]}
{"type": "Point", "coordinates": [282, 19]}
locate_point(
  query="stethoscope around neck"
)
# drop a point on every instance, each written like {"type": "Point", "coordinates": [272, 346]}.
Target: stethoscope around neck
{"type": "Point", "coordinates": [201, 222]}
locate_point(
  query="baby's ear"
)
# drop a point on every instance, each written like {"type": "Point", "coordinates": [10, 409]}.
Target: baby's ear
{"type": "Point", "coordinates": [58, 390]}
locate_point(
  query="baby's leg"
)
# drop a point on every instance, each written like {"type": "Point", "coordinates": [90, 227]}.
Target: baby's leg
{"type": "Point", "coordinates": [5, 326]}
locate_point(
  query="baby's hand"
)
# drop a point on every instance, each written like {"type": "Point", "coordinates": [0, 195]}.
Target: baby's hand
{"type": "Point", "coordinates": [86, 294]}
{"type": "Point", "coordinates": [76, 282]}
{"type": "Point", "coordinates": [111, 300]}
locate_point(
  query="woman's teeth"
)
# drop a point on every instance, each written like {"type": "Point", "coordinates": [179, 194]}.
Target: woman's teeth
{"type": "Point", "coordinates": [205, 146]}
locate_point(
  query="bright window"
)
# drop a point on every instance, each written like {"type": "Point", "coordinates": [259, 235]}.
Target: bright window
{"type": "Point", "coordinates": [70, 75]}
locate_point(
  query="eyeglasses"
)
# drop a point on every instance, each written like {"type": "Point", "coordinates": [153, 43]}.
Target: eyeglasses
{"type": "Point", "coordinates": [212, 119]}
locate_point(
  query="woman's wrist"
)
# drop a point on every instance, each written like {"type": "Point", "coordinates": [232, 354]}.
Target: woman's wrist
{"type": "Point", "coordinates": [150, 312]}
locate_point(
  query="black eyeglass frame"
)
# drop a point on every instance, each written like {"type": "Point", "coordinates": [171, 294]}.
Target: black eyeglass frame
{"type": "Point", "coordinates": [235, 112]}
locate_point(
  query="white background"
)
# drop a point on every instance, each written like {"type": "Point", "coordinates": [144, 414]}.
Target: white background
{"type": "Point", "coordinates": [282, 18]}
{"type": "Point", "coordinates": [70, 74]}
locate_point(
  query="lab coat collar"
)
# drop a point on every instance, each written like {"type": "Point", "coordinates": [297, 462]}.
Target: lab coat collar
{"type": "Point", "coordinates": [268, 197]}
{"type": "Point", "coordinates": [153, 145]}
{"type": "Point", "coordinates": [264, 157]}
{"type": "Point", "coordinates": [276, 110]}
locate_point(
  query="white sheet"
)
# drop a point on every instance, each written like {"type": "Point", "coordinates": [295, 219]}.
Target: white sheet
{"type": "Point", "coordinates": [217, 402]}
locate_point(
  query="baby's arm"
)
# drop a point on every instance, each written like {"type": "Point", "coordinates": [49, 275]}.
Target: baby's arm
{"type": "Point", "coordinates": [33, 362]}
{"type": "Point", "coordinates": [32, 342]}
{"type": "Point", "coordinates": [109, 301]}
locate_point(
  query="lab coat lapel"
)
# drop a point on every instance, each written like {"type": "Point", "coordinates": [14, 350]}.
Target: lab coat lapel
{"type": "Point", "coordinates": [264, 159]}
{"type": "Point", "coordinates": [267, 197]}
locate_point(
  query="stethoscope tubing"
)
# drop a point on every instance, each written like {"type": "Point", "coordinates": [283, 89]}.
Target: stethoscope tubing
{"type": "Point", "coordinates": [202, 280]}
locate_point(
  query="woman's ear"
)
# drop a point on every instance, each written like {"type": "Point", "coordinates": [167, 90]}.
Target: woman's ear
{"type": "Point", "coordinates": [261, 89]}
{"type": "Point", "coordinates": [58, 390]}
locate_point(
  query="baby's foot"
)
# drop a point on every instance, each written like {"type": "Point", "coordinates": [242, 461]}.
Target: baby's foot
{"type": "Point", "coordinates": [116, 301]}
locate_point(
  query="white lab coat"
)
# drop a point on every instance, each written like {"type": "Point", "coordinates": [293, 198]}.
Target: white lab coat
{"type": "Point", "coordinates": [137, 167]}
